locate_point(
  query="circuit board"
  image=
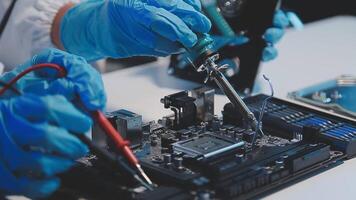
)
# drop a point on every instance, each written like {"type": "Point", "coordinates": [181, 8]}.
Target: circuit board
{"type": "Point", "coordinates": [194, 154]}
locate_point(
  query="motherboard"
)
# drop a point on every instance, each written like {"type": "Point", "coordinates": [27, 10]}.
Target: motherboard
{"type": "Point", "coordinates": [196, 154]}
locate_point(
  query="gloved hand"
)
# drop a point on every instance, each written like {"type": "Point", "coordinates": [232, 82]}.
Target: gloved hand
{"type": "Point", "coordinates": [123, 28]}
{"type": "Point", "coordinates": [83, 84]}
{"type": "Point", "coordinates": [37, 142]}
{"type": "Point", "coordinates": [274, 35]}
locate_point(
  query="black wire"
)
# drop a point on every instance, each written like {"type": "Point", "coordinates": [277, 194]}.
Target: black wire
{"type": "Point", "coordinates": [111, 159]}
{"type": "Point", "coordinates": [6, 17]}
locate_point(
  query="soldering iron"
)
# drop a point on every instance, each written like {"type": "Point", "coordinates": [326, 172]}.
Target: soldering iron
{"type": "Point", "coordinates": [204, 59]}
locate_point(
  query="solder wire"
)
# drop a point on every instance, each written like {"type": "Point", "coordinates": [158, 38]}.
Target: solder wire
{"type": "Point", "coordinates": [262, 110]}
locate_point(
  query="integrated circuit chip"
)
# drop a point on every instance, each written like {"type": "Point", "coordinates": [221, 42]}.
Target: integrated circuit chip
{"type": "Point", "coordinates": [205, 145]}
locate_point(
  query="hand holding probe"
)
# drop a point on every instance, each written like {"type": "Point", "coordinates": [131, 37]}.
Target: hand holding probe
{"type": "Point", "coordinates": [98, 116]}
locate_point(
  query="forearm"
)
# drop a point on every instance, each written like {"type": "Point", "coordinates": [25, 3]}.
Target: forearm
{"type": "Point", "coordinates": [122, 28]}
{"type": "Point", "coordinates": [55, 29]}
{"type": "Point", "coordinates": [74, 30]}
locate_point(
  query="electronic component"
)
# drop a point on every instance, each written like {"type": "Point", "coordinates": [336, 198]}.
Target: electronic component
{"type": "Point", "coordinates": [204, 101]}
{"type": "Point", "coordinates": [288, 120]}
{"type": "Point", "coordinates": [189, 108]}
{"type": "Point", "coordinates": [127, 123]}
{"type": "Point", "coordinates": [215, 159]}
{"type": "Point", "coordinates": [183, 107]}
{"type": "Point", "coordinates": [206, 145]}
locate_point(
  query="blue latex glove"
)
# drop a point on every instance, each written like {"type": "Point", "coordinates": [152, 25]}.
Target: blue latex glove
{"type": "Point", "coordinates": [274, 35]}
{"type": "Point", "coordinates": [123, 28]}
{"type": "Point", "coordinates": [37, 142]}
{"type": "Point", "coordinates": [82, 80]}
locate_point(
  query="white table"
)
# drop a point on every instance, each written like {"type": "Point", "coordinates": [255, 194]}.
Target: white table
{"type": "Point", "coordinates": [322, 51]}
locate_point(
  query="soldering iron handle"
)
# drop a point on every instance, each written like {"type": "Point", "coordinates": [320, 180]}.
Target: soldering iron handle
{"type": "Point", "coordinates": [115, 136]}
{"type": "Point", "coordinates": [235, 99]}
{"type": "Point", "coordinates": [230, 92]}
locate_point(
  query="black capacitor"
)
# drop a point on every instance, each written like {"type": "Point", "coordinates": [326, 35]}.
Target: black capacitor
{"type": "Point", "coordinates": [167, 158]}
{"type": "Point", "coordinates": [167, 140]}
{"type": "Point", "coordinates": [311, 133]}
{"type": "Point", "coordinates": [215, 125]}
{"type": "Point", "coordinates": [248, 136]}
{"type": "Point", "coordinates": [178, 162]}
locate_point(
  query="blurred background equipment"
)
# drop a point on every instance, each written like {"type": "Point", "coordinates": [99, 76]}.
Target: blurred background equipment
{"type": "Point", "coordinates": [336, 95]}
{"type": "Point", "coordinates": [313, 10]}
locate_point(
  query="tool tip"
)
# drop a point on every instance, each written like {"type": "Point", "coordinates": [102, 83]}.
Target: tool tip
{"type": "Point", "coordinates": [143, 174]}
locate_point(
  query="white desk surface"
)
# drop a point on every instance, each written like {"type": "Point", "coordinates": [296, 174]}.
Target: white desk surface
{"type": "Point", "coordinates": [322, 51]}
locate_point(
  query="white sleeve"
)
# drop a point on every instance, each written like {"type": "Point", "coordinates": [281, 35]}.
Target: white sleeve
{"type": "Point", "coordinates": [28, 30]}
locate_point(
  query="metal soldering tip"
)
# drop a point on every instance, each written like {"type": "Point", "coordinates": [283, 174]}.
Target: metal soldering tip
{"type": "Point", "coordinates": [149, 187]}
{"type": "Point", "coordinates": [143, 174]}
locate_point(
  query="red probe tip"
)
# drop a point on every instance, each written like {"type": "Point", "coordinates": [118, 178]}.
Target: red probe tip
{"type": "Point", "coordinates": [119, 142]}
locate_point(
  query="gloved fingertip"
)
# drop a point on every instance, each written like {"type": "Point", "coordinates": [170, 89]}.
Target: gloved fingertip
{"type": "Point", "coordinates": [93, 104]}
{"type": "Point", "coordinates": [49, 186]}
{"type": "Point", "coordinates": [76, 149]}
{"type": "Point", "coordinates": [195, 3]}
{"type": "Point", "coordinates": [269, 53]}
{"type": "Point", "coordinates": [53, 167]}
{"type": "Point", "coordinates": [280, 19]}
{"type": "Point", "coordinates": [189, 40]}
{"type": "Point", "coordinates": [240, 40]}
{"type": "Point", "coordinates": [84, 124]}
{"type": "Point", "coordinates": [273, 35]}
{"type": "Point", "coordinates": [295, 20]}
{"type": "Point", "coordinates": [38, 188]}
{"type": "Point", "coordinates": [82, 151]}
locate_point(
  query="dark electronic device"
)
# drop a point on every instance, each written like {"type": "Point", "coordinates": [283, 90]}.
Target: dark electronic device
{"type": "Point", "coordinates": [233, 17]}
{"type": "Point", "coordinates": [129, 124]}
{"type": "Point", "coordinates": [337, 95]}
{"type": "Point", "coordinates": [194, 154]}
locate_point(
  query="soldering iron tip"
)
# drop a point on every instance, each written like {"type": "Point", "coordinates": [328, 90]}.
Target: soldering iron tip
{"type": "Point", "coordinates": [143, 174]}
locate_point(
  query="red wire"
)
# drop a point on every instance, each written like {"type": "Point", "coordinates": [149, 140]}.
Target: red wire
{"type": "Point", "coordinates": [115, 136]}
{"type": "Point", "coordinates": [62, 73]}
{"type": "Point", "coordinates": [104, 123]}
